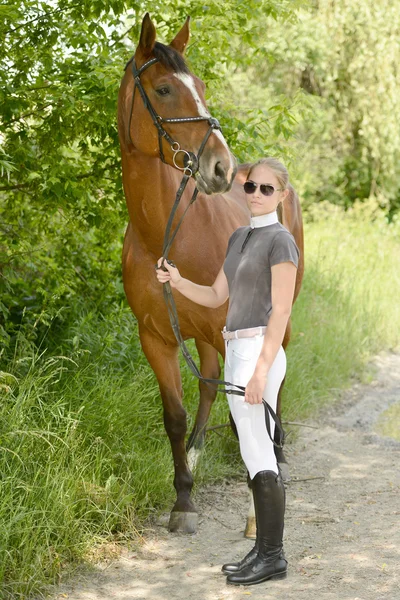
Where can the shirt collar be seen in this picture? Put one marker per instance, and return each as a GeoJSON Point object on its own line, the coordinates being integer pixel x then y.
{"type": "Point", "coordinates": [263, 220]}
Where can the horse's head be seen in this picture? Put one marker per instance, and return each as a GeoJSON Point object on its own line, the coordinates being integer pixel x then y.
{"type": "Point", "coordinates": [168, 111]}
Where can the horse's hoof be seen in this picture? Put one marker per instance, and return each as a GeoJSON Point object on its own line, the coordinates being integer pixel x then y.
{"type": "Point", "coordinates": [183, 522]}
{"type": "Point", "coordinates": [251, 528]}
{"type": "Point", "coordinates": [284, 470]}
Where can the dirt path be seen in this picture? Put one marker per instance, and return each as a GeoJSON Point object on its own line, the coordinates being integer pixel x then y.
{"type": "Point", "coordinates": [342, 536]}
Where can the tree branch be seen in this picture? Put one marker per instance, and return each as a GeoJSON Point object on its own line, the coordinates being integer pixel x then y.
{"type": "Point", "coordinates": [42, 16]}
{"type": "Point", "coordinates": [121, 37]}
{"type": "Point", "coordinates": [18, 186]}
{"type": "Point", "coordinates": [299, 424]}
{"type": "Point", "coordinates": [40, 87]}
{"type": "Point", "coordinates": [26, 115]}
{"type": "Point", "coordinates": [214, 427]}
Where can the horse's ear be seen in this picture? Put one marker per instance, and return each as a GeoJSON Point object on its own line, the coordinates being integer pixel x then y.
{"type": "Point", "coordinates": [147, 36]}
{"type": "Point", "coordinates": [181, 39]}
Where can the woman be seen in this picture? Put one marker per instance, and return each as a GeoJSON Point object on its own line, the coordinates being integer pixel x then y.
{"type": "Point", "coordinates": [258, 276]}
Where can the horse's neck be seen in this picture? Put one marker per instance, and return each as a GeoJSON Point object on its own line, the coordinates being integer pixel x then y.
{"type": "Point", "coordinates": [150, 191]}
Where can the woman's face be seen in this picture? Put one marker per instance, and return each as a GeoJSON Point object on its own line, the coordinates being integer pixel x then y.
{"type": "Point", "coordinates": [256, 201]}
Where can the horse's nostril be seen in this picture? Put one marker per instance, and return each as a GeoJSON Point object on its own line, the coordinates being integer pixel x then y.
{"type": "Point", "coordinates": [219, 170]}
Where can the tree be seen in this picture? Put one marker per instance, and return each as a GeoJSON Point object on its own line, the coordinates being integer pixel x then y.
{"type": "Point", "coordinates": [61, 203]}
{"type": "Point", "coordinates": [344, 56]}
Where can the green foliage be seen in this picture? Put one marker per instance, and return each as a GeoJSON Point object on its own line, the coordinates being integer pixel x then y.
{"type": "Point", "coordinates": [62, 213]}
{"type": "Point", "coordinates": [83, 451]}
{"type": "Point", "coordinates": [344, 57]}
{"type": "Point", "coordinates": [347, 309]}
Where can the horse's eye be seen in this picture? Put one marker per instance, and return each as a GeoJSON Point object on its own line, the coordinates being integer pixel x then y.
{"type": "Point", "coordinates": [163, 91]}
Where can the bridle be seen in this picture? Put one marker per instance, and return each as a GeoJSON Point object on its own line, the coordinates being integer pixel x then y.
{"type": "Point", "coordinates": [190, 167]}
{"type": "Point", "coordinates": [190, 160]}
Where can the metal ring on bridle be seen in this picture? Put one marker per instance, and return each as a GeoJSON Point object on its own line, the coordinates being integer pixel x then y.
{"type": "Point", "coordinates": [186, 169]}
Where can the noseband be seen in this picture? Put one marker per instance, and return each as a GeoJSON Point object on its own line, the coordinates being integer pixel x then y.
{"type": "Point", "coordinates": [191, 166]}
{"type": "Point", "coordinates": [190, 160]}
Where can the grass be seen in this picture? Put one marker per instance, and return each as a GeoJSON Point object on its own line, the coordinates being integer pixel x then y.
{"type": "Point", "coordinates": [347, 309]}
{"type": "Point", "coordinates": [389, 421]}
{"type": "Point", "coordinates": [83, 452]}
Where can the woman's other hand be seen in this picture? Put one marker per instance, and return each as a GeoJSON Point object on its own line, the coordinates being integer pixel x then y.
{"type": "Point", "coordinates": [171, 274]}
{"type": "Point", "coordinates": [254, 389]}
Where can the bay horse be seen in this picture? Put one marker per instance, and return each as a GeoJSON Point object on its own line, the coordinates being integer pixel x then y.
{"type": "Point", "coordinates": [152, 171]}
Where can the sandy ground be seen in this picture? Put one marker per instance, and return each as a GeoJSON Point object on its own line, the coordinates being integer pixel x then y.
{"type": "Point", "coordinates": [342, 535]}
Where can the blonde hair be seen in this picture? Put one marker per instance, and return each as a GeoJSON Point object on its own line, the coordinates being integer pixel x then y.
{"type": "Point", "coordinates": [277, 167]}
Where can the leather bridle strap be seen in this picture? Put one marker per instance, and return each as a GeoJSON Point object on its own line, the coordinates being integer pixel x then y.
{"type": "Point", "coordinates": [189, 170]}
{"type": "Point", "coordinates": [158, 120]}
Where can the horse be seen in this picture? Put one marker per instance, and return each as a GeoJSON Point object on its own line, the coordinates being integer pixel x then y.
{"type": "Point", "coordinates": [161, 109]}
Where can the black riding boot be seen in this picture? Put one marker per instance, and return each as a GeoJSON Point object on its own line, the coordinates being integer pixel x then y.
{"type": "Point", "coordinates": [229, 568]}
{"type": "Point", "coordinates": [270, 563]}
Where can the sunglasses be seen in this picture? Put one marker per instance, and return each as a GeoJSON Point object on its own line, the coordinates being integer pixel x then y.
{"type": "Point", "coordinates": [265, 188]}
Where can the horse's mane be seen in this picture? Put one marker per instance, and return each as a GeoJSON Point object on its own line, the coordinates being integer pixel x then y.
{"type": "Point", "coordinates": [169, 58]}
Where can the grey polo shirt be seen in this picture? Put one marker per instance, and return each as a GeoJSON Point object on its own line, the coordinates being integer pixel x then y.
{"type": "Point", "coordinates": [251, 254]}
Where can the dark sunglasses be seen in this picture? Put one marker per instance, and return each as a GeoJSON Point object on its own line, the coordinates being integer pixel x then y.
{"type": "Point", "coordinates": [265, 188]}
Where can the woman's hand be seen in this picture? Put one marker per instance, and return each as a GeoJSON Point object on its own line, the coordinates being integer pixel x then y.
{"type": "Point", "coordinates": [255, 388]}
{"type": "Point", "coordinates": [171, 274]}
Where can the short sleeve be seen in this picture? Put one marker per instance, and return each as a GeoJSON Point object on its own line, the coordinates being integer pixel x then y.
{"type": "Point", "coordinates": [231, 240]}
{"type": "Point", "coordinates": [284, 249]}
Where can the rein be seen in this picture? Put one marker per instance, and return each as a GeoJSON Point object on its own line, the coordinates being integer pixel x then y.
{"type": "Point", "coordinates": [190, 167]}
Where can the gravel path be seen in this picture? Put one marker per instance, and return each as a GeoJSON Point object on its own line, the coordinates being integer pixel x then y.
{"type": "Point", "coordinates": [342, 535]}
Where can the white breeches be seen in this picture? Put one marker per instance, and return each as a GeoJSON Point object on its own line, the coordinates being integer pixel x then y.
{"type": "Point", "coordinates": [256, 448]}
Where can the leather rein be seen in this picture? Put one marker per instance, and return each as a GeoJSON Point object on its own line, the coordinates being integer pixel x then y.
{"type": "Point", "coordinates": [190, 167]}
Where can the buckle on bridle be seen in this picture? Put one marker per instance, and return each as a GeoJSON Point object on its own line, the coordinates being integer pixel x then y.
{"type": "Point", "coordinates": [214, 123]}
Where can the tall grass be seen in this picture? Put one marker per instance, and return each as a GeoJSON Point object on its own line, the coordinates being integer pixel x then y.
{"type": "Point", "coordinates": [83, 451]}
{"type": "Point", "coordinates": [348, 308]}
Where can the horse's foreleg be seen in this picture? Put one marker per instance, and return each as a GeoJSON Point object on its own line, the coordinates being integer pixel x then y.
{"type": "Point", "coordinates": [210, 369]}
{"type": "Point", "coordinates": [163, 360]}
